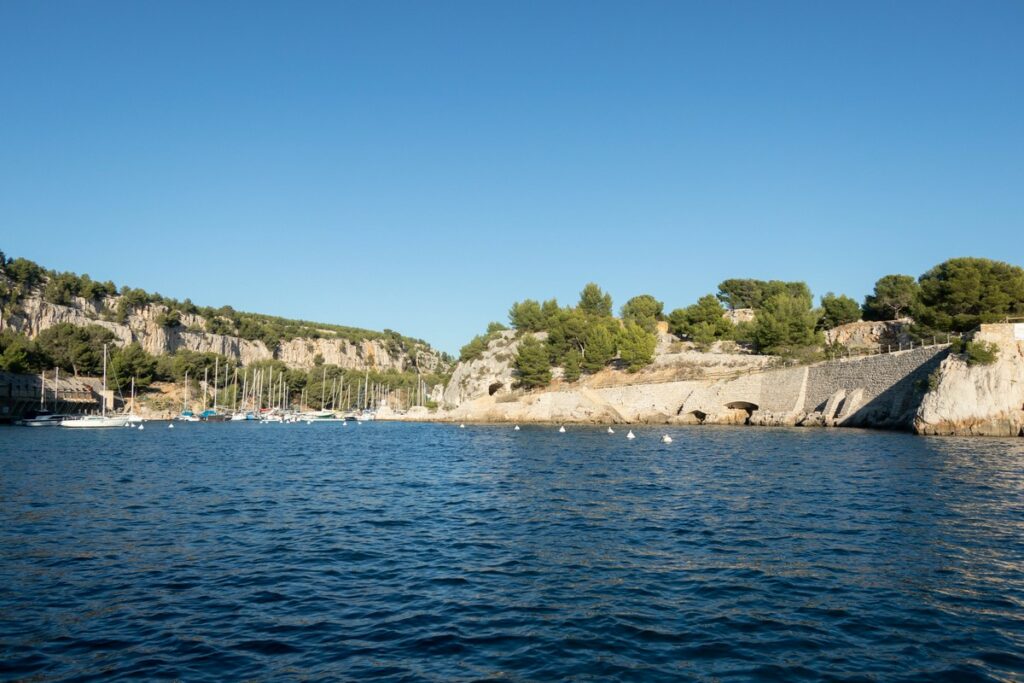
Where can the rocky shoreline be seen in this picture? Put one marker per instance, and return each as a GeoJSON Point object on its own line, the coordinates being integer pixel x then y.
{"type": "Point", "coordinates": [926, 390]}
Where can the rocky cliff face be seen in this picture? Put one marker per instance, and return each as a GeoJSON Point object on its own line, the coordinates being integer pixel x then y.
{"type": "Point", "coordinates": [35, 315]}
{"type": "Point", "coordinates": [924, 388]}
{"type": "Point", "coordinates": [490, 375]}
{"type": "Point", "coordinates": [871, 335]}
{"type": "Point", "coordinates": [985, 400]}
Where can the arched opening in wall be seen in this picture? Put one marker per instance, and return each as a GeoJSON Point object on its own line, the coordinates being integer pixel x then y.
{"type": "Point", "coordinates": [744, 406]}
{"type": "Point", "coordinates": [690, 417]}
{"type": "Point", "coordinates": [494, 388]}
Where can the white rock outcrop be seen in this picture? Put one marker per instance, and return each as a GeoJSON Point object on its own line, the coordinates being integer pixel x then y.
{"type": "Point", "coordinates": [986, 400]}
{"type": "Point", "coordinates": [877, 335]}
{"type": "Point", "coordinates": [493, 373]}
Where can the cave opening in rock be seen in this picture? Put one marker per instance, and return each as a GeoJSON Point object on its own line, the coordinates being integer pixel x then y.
{"type": "Point", "coordinates": [745, 406]}
{"type": "Point", "coordinates": [494, 388]}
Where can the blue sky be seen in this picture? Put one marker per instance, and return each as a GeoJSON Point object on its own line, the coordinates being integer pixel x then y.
{"type": "Point", "coordinates": [421, 165]}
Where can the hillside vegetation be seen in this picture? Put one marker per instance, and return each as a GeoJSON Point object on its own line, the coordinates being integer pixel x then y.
{"type": "Point", "coordinates": [77, 348]}
{"type": "Point", "coordinates": [780, 319]}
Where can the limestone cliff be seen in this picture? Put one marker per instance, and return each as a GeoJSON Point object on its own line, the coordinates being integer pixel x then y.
{"type": "Point", "coordinates": [490, 374]}
{"type": "Point", "coordinates": [882, 391]}
{"type": "Point", "coordinates": [34, 314]}
{"type": "Point", "coordinates": [983, 400]}
{"type": "Point", "coordinates": [686, 386]}
{"type": "Point", "coordinates": [880, 335]}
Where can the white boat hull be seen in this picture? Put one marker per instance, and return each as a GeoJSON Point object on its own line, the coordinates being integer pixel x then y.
{"type": "Point", "coordinates": [95, 422]}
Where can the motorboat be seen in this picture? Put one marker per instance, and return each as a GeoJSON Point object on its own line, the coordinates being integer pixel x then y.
{"type": "Point", "coordinates": [43, 418]}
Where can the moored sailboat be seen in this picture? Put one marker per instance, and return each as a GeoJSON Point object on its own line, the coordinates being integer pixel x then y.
{"type": "Point", "coordinates": [101, 420]}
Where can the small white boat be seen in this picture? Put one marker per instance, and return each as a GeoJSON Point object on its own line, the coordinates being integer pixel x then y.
{"type": "Point", "coordinates": [611, 431]}
{"type": "Point", "coordinates": [170, 426]}
{"type": "Point", "coordinates": [666, 439]}
{"type": "Point", "coordinates": [516, 428]}
{"type": "Point", "coordinates": [561, 430]}
{"type": "Point", "coordinates": [630, 435]}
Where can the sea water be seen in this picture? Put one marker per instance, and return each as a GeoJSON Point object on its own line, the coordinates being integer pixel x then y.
{"type": "Point", "coordinates": [215, 552]}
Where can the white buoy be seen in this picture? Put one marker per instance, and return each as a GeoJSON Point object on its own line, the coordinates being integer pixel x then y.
{"type": "Point", "coordinates": [170, 426]}
{"type": "Point", "coordinates": [630, 435]}
{"type": "Point", "coordinates": [141, 427]}
{"type": "Point", "coordinates": [611, 431]}
{"type": "Point", "coordinates": [309, 422]}
{"type": "Point", "coordinates": [462, 426]}
{"type": "Point", "coordinates": [561, 430]}
{"type": "Point", "coordinates": [666, 439]}
{"type": "Point", "coordinates": [516, 428]}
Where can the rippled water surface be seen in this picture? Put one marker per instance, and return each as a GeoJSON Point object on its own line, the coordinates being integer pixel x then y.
{"type": "Point", "coordinates": [427, 552]}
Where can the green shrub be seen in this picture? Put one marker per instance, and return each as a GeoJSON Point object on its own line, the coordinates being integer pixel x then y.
{"type": "Point", "coordinates": [981, 353]}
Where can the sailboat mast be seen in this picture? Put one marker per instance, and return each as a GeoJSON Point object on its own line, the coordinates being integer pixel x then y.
{"type": "Point", "coordinates": [103, 396]}
{"type": "Point", "coordinates": [216, 376]}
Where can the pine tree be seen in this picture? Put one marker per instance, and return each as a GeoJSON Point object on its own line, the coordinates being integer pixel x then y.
{"type": "Point", "coordinates": [532, 363]}
{"type": "Point", "coordinates": [645, 310]}
{"type": "Point", "coordinates": [571, 367]}
{"type": "Point", "coordinates": [600, 347]}
{"type": "Point", "coordinates": [595, 302]}
{"type": "Point", "coordinates": [636, 346]}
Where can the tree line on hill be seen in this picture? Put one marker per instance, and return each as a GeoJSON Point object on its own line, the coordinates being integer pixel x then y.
{"type": "Point", "coordinates": [22, 277]}
{"type": "Point", "coordinates": [78, 350]}
{"type": "Point", "coordinates": [953, 297]}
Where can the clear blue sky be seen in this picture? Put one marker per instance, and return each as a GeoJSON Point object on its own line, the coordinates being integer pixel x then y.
{"type": "Point", "coordinates": [422, 165]}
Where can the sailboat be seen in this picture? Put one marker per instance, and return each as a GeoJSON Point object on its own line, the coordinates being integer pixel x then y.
{"type": "Point", "coordinates": [132, 417]}
{"type": "Point", "coordinates": [186, 413]}
{"type": "Point", "coordinates": [236, 414]}
{"type": "Point", "coordinates": [212, 415]}
{"type": "Point", "coordinates": [101, 420]}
